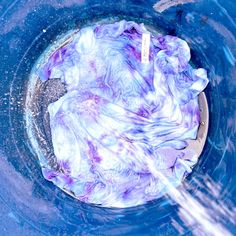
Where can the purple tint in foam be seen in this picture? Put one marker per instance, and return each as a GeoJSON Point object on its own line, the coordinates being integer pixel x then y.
{"type": "Point", "coordinates": [122, 121]}
{"type": "Point", "coordinates": [93, 153]}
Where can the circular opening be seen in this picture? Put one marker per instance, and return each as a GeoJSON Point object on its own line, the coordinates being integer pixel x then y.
{"type": "Point", "coordinates": [40, 94]}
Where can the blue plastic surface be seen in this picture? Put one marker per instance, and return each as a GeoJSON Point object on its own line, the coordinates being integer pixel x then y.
{"type": "Point", "coordinates": [30, 205]}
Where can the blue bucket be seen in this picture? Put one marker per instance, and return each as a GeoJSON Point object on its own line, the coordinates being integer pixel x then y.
{"type": "Point", "coordinates": [30, 205]}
